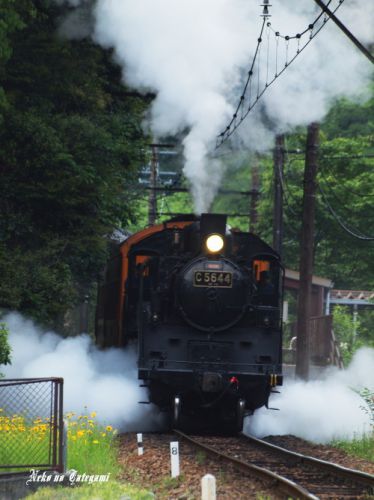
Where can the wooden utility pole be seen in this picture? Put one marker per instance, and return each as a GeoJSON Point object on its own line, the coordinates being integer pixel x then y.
{"type": "Point", "coordinates": [278, 194]}
{"type": "Point", "coordinates": [253, 214]}
{"type": "Point", "coordinates": [340, 25]}
{"type": "Point", "coordinates": [152, 199]}
{"type": "Point", "coordinates": [306, 253]}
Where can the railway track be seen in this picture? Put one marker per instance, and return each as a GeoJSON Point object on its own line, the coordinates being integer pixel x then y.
{"type": "Point", "coordinates": [296, 475]}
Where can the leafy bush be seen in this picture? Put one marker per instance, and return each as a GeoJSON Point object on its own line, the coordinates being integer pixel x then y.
{"type": "Point", "coordinates": [5, 348]}
{"type": "Point", "coordinates": [345, 329]}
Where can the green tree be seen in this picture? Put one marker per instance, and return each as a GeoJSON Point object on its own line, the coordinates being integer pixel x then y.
{"type": "Point", "coordinates": [13, 17]}
{"type": "Point", "coordinates": [70, 146]}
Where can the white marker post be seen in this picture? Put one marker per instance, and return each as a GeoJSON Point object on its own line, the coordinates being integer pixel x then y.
{"type": "Point", "coordinates": [140, 443]}
{"type": "Point", "coordinates": [208, 487]}
{"type": "Point", "coordinates": [174, 456]}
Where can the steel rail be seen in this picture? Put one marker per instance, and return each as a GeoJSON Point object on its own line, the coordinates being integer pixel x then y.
{"type": "Point", "coordinates": [285, 485]}
{"type": "Point", "coordinates": [339, 470]}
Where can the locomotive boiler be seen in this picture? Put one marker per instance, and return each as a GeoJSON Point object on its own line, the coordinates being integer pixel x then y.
{"type": "Point", "coordinates": [203, 305]}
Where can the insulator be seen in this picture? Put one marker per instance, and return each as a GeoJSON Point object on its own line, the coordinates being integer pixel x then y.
{"type": "Point", "coordinates": [265, 5]}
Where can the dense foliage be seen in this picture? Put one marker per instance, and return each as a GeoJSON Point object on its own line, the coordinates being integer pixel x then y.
{"type": "Point", "coordinates": [346, 184]}
{"type": "Point", "coordinates": [5, 349]}
{"type": "Point", "coordinates": [70, 143]}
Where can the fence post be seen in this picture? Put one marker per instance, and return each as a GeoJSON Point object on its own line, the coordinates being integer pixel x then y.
{"type": "Point", "coordinates": [64, 446]}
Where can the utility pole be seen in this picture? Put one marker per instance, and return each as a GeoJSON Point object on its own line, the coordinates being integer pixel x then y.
{"type": "Point", "coordinates": [152, 199]}
{"type": "Point", "coordinates": [253, 213]}
{"type": "Point", "coordinates": [306, 253]}
{"type": "Point", "coordinates": [278, 194]}
{"type": "Point", "coordinates": [346, 31]}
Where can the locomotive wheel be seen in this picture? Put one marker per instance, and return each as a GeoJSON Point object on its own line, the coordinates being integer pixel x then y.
{"type": "Point", "coordinates": [234, 424]}
{"type": "Point", "coordinates": [240, 412]}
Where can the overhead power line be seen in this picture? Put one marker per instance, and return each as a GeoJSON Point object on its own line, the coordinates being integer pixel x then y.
{"type": "Point", "coordinates": [260, 79]}
{"type": "Point", "coordinates": [342, 224]}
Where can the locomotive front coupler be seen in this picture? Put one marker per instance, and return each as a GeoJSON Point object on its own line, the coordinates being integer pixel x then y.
{"type": "Point", "coordinates": [213, 382]}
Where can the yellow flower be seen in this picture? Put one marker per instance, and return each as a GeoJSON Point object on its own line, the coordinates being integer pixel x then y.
{"type": "Point", "coordinates": [109, 428]}
{"type": "Point", "coordinates": [95, 441]}
{"type": "Point", "coordinates": [93, 414]}
{"type": "Point", "coordinates": [103, 434]}
{"type": "Point", "coordinates": [80, 433]}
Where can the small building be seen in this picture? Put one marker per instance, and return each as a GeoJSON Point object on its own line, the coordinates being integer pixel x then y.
{"type": "Point", "coordinates": [324, 348]}
{"type": "Point", "coordinates": [320, 291]}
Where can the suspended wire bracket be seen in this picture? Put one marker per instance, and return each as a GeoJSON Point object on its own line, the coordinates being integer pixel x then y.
{"type": "Point", "coordinates": [256, 85]}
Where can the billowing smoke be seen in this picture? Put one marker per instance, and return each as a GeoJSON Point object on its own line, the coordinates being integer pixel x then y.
{"type": "Point", "coordinates": [102, 381]}
{"type": "Point", "coordinates": [321, 410]}
{"type": "Point", "coordinates": [195, 54]}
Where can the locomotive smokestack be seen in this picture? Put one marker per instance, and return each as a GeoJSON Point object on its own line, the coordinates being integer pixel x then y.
{"type": "Point", "coordinates": [213, 224]}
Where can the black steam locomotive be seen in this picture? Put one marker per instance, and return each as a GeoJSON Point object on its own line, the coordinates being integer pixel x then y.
{"type": "Point", "coordinates": [203, 304]}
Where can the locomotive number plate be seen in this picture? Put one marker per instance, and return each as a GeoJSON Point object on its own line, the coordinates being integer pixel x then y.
{"type": "Point", "coordinates": [217, 279]}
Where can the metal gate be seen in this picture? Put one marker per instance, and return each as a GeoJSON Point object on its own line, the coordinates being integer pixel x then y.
{"type": "Point", "coordinates": [31, 424]}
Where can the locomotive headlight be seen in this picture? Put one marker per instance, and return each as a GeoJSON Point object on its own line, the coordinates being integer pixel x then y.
{"type": "Point", "coordinates": [214, 243]}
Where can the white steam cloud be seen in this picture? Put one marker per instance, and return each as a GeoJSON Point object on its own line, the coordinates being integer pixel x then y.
{"type": "Point", "coordinates": [321, 410]}
{"type": "Point", "coordinates": [194, 54]}
{"type": "Point", "coordinates": [106, 382]}
{"type": "Point", "coordinates": [103, 381]}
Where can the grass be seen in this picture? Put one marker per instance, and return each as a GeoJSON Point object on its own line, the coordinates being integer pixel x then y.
{"type": "Point", "coordinates": [23, 440]}
{"type": "Point", "coordinates": [92, 448]}
{"type": "Point", "coordinates": [362, 447]}
{"type": "Point", "coordinates": [113, 490]}
{"type": "Point", "coordinates": [201, 457]}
